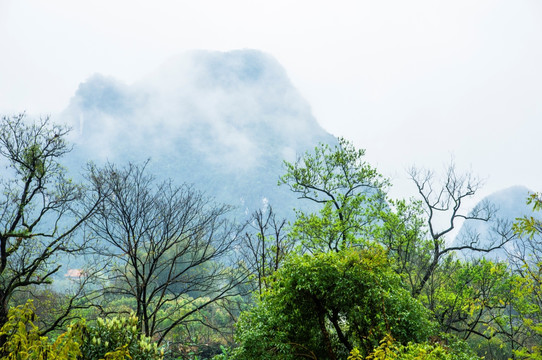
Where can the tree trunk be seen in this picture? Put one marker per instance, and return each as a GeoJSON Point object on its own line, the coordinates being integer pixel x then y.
{"type": "Point", "coordinates": [4, 309]}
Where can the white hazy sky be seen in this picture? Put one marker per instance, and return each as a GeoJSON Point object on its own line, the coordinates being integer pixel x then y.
{"type": "Point", "coordinates": [413, 82]}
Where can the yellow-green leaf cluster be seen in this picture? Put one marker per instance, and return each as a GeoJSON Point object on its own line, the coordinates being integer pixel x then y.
{"type": "Point", "coordinates": [24, 341]}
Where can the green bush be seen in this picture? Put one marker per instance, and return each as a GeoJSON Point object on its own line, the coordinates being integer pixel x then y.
{"type": "Point", "coordinates": [389, 349]}
{"type": "Point", "coordinates": [23, 340]}
{"type": "Point", "coordinates": [118, 338]}
{"type": "Point", "coordinates": [323, 305]}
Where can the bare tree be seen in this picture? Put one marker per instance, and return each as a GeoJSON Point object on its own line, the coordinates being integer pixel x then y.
{"type": "Point", "coordinates": [444, 207]}
{"type": "Point", "coordinates": [40, 208]}
{"type": "Point", "coordinates": [169, 246]}
{"type": "Point", "coordinates": [56, 305]}
{"type": "Point", "coordinates": [265, 245]}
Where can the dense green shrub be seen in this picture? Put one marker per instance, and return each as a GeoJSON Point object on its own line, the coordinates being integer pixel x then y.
{"type": "Point", "coordinates": [22, 339]}
{"type": "Point", "coordinates": [389, 349]}
{"type": "Point", "coordinates": [118, 338]}
{"type": "Point", "coordinates": [324, 305]}
{"type": "Point", "coordinates": [109, 339]}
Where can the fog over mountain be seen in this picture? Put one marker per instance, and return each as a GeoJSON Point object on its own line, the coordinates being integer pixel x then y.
{"type": "Point", "coordinates": [224, 121]}
{"type": "Point", "coordinates": [509, 204]}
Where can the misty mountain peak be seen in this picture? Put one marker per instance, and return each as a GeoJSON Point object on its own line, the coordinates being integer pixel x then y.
{"type": "Point", "coordinates": [225, 119]}
{"type": "Point", "coordinates": [236, 67]}
{"type": "Point", "coordinates": [231, 108]}
{"type": "Point", "coordinates": [103, 94]}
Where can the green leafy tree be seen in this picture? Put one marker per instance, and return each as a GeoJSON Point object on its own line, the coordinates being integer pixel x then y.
{"type": "Point", "coordinates": [403, 232]}
{"type": "Point", "coordinates": [527, 257]}
{"type": "Point", "coordinates": [529, 225]}
{"type": "Point", "coordinates": [350, 192]}
{"type": "Point", "coordinates": [354, 211]}
{"type": "Point", "coordinates": [474, 299]}
{"type": "Point", "coordinates": [322, 306]}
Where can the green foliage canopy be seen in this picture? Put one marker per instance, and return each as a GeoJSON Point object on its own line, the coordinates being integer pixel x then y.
{"type": "Point", "coordinates": [325, 304]}
{"type": "Point", "coordinates": [23, 340]}
{"type": "Point", "coordinates": [350, 191]}
{"type": "Point", "coordinates": [117, 338]}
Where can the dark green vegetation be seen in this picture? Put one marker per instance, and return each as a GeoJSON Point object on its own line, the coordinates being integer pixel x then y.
{"type": "Point", "coordinates": [163, 271]}
{"type": "Point", "coordinates": [324, 305]}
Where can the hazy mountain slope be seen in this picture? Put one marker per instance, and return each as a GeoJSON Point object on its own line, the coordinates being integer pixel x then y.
{"type": "Point", "coordinates": [223, 121]}
{"type": "Point", "coordinates": [510, 204]}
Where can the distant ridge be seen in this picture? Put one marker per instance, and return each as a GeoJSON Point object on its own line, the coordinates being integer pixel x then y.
{"type": "Point", "coordinates": [510, 203]}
